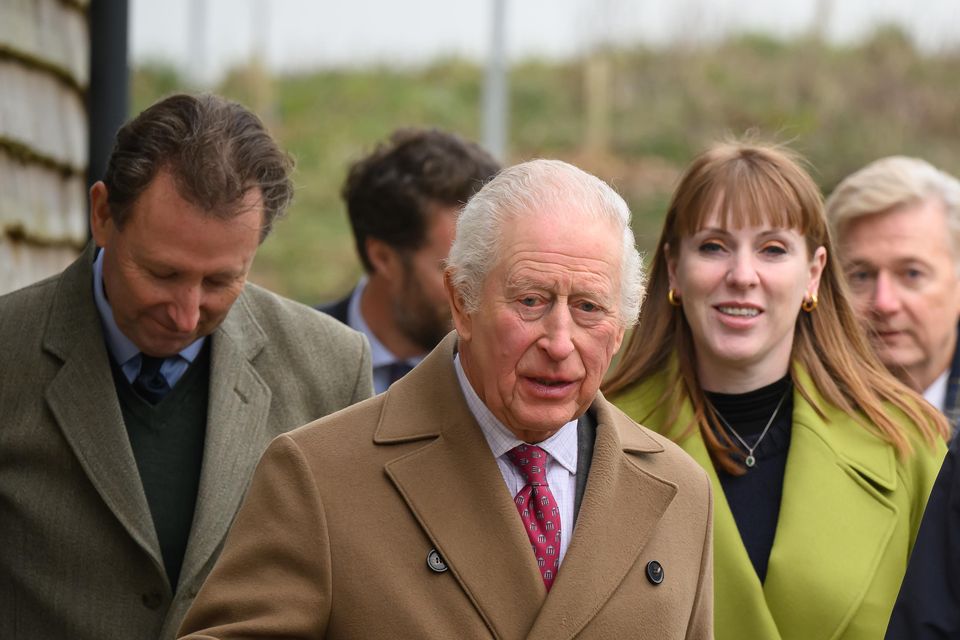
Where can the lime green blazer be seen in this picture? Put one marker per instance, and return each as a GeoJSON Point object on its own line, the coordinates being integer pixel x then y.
{"type": "Point", "coordinates": [849, 515]}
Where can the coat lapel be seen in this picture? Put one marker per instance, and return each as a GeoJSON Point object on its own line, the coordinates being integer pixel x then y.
{"type": "Point", "coordinates": [237, 414]}
{"type": "Point", "coordinates": [833, 476]}
{"type": "Point", "coordinates": [736, 585]}
{"type": "Point", "coordinates": [83, 401]}
{"type": "Point", "coordinates": [621, 508]}
{"type": "Point", "coordinates": [819, 569]}
{"type": "Point", "coordinates": [454, 489]}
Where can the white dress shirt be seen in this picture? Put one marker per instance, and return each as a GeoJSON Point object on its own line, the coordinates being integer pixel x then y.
{"type": "Point", "coordinates": [561, 464]}
{"type": "Point", "coordinates": [936, 393]}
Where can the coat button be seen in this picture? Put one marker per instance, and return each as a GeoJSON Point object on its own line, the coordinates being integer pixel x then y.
{"type": "Point", "coordinates": [435, 561]}
{"type": "Point", "coordinates": [152, 600]}
{"type": "Point", "coordinates": [654, 572]}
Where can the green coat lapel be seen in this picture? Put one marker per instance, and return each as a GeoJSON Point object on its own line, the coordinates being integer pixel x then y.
{"type": "Point", "coordinates": [83, 401]}
{"type": "Point", "coordinates": [836, 521]}
{"type": "Point", "coordinates": [819, 569]}
{"type": "Point", "coordinates": [740, 607]}
{"type": "Point", "coordinates": [237, 415]}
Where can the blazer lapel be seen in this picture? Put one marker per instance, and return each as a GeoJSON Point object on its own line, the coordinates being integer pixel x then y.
{"type": "Point", "coordinates": [453, 487]}
{"type": "Point", "coordinates": [83, 401]}
{"type": "Point", "coordinates": [621, 508]}
{"type": "Point", "coordinates": [819, 569]}
{"type": "Point", "coordinates": [835, 474]}
{"type": "Point", "coordinates": [237, 414]}
{"type": "Point", "coordinates": [736, 587]}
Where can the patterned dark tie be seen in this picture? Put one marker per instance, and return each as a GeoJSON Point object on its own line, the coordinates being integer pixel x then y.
{"type": "Point", "coordinates": [150, 383]}
{"type": "Point", "coordinates": [538, 509]}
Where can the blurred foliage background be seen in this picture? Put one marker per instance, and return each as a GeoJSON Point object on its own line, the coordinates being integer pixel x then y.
{"type": "Point", "coordinates": [633, 116]}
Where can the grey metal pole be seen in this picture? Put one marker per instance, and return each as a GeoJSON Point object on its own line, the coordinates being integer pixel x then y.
{"type": "Point", "coordinates": [495, 93]}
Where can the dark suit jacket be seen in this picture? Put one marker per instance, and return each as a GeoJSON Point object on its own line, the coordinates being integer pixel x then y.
{"type": "Point", "coordinates": [333, 538]}
{"type": "Point", "coordinates": [951, 406]}
{"type": "Point", "coordinates": [79, 555]}
{"type": "Point", "coordinates": [928, 607]}
{"type": "Point", "coordinates": [337, 309]}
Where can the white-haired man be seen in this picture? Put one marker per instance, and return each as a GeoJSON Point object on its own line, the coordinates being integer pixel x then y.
{"type": "Point", "coordinates": [491, 492]}
{"type": "Point", "coordinates": [897, 225]}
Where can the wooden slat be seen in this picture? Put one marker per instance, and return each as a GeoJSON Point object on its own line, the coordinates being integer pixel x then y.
{"type": "Point", "coordinates": [44, 73]}
{"type": "Point", "coordinates": [43, 114]}
{"type": "Point", "coordinates": [50, 31]}
{"type": "Point", "coordinates": [22, 264]}
{"type": "Point", "coordinates": [42, 205]}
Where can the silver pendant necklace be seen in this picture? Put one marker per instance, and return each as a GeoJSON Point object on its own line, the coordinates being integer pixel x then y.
{"type": "Point", "coordinates": [750, 460]}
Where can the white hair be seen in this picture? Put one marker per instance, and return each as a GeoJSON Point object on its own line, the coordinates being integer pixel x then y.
{"type": "Point", "coordinates": [891, 183]}
{"type": "Point", "coordinates": [539, 187]}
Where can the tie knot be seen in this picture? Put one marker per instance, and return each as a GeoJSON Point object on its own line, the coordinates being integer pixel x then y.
{"type": "Point", "coordinates": [531, 461]}
{"type": "Point", "coordinates": [150, 383]}
{"type": "Point", "coordinates": [150, 365]}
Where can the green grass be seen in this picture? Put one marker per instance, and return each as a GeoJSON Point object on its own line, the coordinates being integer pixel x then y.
{"type": "Point", "coordinates": [839, 106]}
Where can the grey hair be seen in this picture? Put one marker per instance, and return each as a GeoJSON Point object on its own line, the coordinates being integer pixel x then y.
{"type": "Point", "coordinates": [894, 182]}
{"type": "Point", "coordinates": [539, 187]}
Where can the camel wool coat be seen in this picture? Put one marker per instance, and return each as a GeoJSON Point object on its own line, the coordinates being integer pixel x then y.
{"type": "Point", "coordinates": [334, 537]}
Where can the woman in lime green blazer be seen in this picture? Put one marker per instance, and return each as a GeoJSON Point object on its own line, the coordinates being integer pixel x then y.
{"type": "Point", "coordinates": [749, 356]}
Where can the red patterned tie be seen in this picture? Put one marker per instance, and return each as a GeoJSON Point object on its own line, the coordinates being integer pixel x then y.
{"type": "Point", "coordinates": [538, 509]}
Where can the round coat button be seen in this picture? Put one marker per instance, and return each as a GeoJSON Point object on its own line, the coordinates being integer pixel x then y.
{"type": "Point", "coordinates": [435, 561]}
{"type": "Point", "coordinates": [654, 572]}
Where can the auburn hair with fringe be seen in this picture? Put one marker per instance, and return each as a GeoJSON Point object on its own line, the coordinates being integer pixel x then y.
{"type": "Point", "coordinates": [751, 184]}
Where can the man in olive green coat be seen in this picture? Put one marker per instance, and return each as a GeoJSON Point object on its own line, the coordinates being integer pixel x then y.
{"type": "Point", "coordinates": [139, 387]}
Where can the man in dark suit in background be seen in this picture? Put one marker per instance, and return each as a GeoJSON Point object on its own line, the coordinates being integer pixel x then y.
{"type": "Point", "coordinates": [403, 200]}
{"type": "Point", "coordinates": [928, 607]}
{"type": "Point", "coordinates": [139, 387]}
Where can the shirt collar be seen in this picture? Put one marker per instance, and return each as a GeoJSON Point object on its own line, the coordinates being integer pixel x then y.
{"type": "Point", "coordinates": [121, 348]}
{"type": "Point", "coordinates": [380, 356]}
{"type": "Point", "coordinates": [936, 393]}
{"type": "Point", "coordinates": [562, 446]}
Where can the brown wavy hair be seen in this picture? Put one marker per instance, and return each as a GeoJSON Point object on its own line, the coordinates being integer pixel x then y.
{"type": "Point", "coordinates": [751, 184]}
{"type": "Point", "coordinates": [216, 151]}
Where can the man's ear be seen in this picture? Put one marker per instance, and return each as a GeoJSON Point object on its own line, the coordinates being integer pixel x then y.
{"type": "Point", "coordinates": [384, 258]}
{"type": "Point", "coordinates": [101, 222]}
{"type": "Point", "coordinates": [462, 321]}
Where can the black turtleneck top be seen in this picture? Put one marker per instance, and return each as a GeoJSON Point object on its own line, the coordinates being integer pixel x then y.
{"type": "Point", "coordinates": [754, 497]}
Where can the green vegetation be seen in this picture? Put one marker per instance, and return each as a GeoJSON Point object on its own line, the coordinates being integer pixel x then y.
{"type": "Point", "coordinates": [841, 107]}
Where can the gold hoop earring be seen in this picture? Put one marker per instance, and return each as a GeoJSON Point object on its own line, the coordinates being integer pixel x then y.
{"type": "Point", "coordinates": [809, 304]}
{"type": "Point", "coordinates": [672, 298]}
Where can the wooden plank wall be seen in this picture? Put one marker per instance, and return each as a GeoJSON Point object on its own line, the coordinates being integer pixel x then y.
{"type": "Point", "coordinates": [44, 75]}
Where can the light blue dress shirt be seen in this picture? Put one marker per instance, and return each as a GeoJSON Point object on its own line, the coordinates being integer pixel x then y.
{"type": "Point", "coordinates": [380, 356]}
